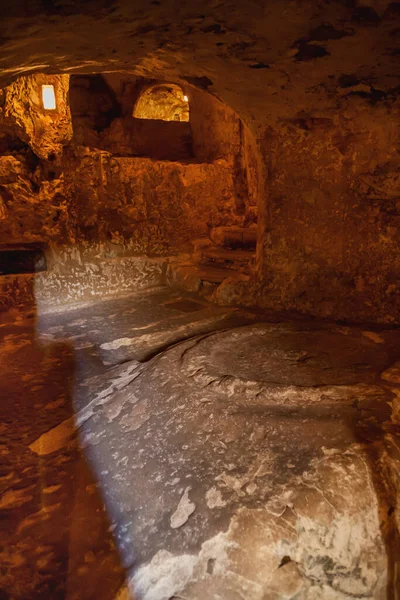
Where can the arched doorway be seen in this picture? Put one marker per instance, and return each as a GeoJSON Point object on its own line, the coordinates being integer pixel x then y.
{"type": "Point", "coordinates": [165, 102]}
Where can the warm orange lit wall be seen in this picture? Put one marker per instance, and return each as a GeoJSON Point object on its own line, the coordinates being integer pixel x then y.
{"type": "Point", "coordinates": [46, 131]}
{"type": "Point", "coordinates": [332, 229]}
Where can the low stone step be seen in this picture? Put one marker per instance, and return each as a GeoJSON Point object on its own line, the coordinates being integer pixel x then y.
{"type": "Point", "coordinates": [213, 274]}
{"type": "Point", "coordinates": [200, 243]}
{"type": "Point", "coordinates": [197, 278]}
{"type": "Point", "coordinates": [226, 256]}
{"type": "Point", "coordinates": [234, 236]}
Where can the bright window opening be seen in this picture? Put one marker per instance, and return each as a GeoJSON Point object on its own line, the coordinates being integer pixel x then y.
{"type": "Point", "coordinates": [163, 102]}
{"type": "Point", "coordinates": [48, 97]}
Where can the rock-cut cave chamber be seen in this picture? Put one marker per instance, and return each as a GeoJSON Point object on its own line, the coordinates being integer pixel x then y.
{"type": "Point", "coordinates": [119, 190]}
{"type": "Point", "coordinates": [200, 303]}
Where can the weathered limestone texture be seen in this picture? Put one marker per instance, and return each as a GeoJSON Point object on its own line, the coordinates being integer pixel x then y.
{"type": "Point", "coordinates": [46, 131]}
{"type": "Point", "coordinates": [256, 455]}
{"type": "Point", "coordinates": [164, 447]}
{"type": "Point", "coordinates": [85, 280]}
{"type": "Point", "coordinates": [334, 211]}
{"type": "Point", "coordinates": [99, 207]}
{"type": "Point", "coordinates": [317, 86]}
{"type": "Point", "coordinates": [313, 545]}
{"type": "Point", "coordinates": [154, 446]}
{"type": "Point", "coordinates": [104, 208]}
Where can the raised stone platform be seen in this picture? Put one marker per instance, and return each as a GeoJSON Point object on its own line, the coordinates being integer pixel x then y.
{"type": "Point", "coordinates": [70, 281]}
{"type": "Point", "coordinates": [157, 447]}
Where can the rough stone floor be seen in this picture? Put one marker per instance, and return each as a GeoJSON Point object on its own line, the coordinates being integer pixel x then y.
{"type": "Point", "coordinates": [156, 447]}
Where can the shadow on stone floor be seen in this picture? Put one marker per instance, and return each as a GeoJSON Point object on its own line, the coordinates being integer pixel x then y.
{"type": "Point", "coordinates": [236, 427]}
{"type": "Point", "coordinates": [55, 533]}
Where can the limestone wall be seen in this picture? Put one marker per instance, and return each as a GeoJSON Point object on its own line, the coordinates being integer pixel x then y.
{"type": "Point", "coordinates": [332, 228]}
{"type": "Point", "coordinates": [22, 113]}
{"type": "Point", "coordinates": [323, 182]}
{"type": "Point", "coordinates": [96, 211]}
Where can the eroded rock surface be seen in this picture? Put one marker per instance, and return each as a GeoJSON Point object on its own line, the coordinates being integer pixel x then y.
{"type": "Point", "coordinates": [247, 458]}
{"type": "Point", "coordinates": [274, 434]}
{"type": "Point", "coordinates": [108, 197]}
{"type": "Point", "coordinates": [156, 447]}
{"type": "Point", "coordinates": [315, 86]}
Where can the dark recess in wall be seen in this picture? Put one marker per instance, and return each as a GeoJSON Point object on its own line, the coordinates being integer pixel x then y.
{"type": "Point", "coordinates": [93, 100]}
{"type": "Point", "coordinates": [19, 259]}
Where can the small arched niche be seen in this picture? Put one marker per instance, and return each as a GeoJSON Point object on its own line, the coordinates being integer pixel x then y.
{"type": "Point", "coordinates": [163, 102]}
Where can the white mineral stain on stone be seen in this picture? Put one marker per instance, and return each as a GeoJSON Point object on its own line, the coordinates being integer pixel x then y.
{"type": "Point", "coordinates": [335, 550]}
{"type": "Point", "coordinates": [233, 483]}
{"type": "Point", "coordinates": [184, 509]}
{"type": "Point", "coordinates": [120, 343]}
{"type": "Point", "coordinates": [251, 488]}
{"type": "Point", "coordinates": [139, 414]}
{"type": "Point", "coordinates": [214, 498]}
{"type": "Point", "coordinates": [60, 435]}
{"type": "Point", "coordinates": [162, 337]}
{"type": "Point", "coordinates": [174, 481]}
{"type": "Point", "coordinates": [163, 577]}
{"type": "Point", "coordinates": [258, 434]}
